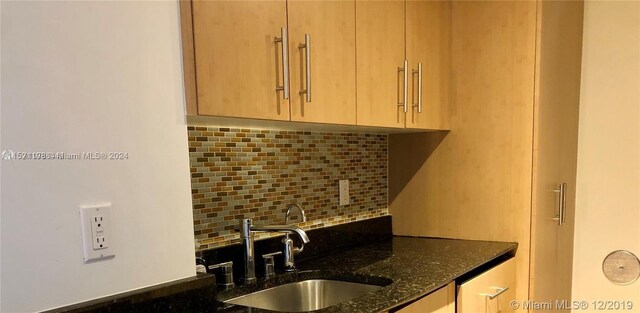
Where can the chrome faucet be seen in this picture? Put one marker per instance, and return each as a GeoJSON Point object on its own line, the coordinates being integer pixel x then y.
{"type": "Point", "coordinates": [294, 206]}
{"type": "Point", "coordinates": [289, 249]}
{"type": "Point", "coordinates": [247, 230]}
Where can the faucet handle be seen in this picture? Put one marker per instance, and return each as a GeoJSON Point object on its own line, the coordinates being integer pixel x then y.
{"type": "Point", "coordinates": [269, 264]}
{"type": "Point", "coordinates": [226, 268]}
{"type": "Point", "coordinates": [201, 265]}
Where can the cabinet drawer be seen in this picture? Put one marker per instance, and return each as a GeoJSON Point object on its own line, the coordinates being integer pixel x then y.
{"type": "Point", "coordinates": [486, 292]}
{"type": "Point", "coordinates": [439, 301]}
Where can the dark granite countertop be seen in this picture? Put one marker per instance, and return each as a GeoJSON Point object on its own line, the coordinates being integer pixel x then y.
{"type": "Point", "coordinates": [407, 268]}
{"type": "Point", "coordinates": [416, 267]}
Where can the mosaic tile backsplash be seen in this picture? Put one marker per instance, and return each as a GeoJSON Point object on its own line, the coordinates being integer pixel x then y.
{"type": "Point", "coordinates": [256, 173]}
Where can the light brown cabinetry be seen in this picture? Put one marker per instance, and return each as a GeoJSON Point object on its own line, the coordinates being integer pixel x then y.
{"type": "Point", "coordinates": [360, 62]}
{"type": "Point", "coordinates": [330, 27]}
{"type": "Point", "coordinates": [428, 51]}
{"type": "Point", "coordinates": [555, 150]}
{"type": "Point", "coordinates": [514, 111]}
{"type": "Point", "coordinates": [442, 300]}
{"type": "Point", "coordinates": [238, 63]}
{"type": "Point", "coordinates": [489, 292]}
{"type": "Point", "coordinates": [380, 52]}
{"type": "Point", "coordinates": [403, 63]}
{"type": "Point", "coordinates": [244, 68]}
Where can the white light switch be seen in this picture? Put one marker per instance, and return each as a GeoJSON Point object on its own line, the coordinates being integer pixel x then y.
{"type": "Point", "coordinates": [344, 192]}
{"type": "Point", "coordinates": [96, 231]}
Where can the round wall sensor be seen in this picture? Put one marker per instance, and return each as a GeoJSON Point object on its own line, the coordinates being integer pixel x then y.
{"type": "Point", "coordinates": [621, 267]}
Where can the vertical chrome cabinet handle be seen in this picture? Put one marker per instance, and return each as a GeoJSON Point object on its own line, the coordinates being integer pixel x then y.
{"type": "Point", "coordinates": [558, 205]}
{"type": "Point", "coordinates": [561, 203]}
{"type": "Point", "coordinates": [564, 201]}
{"type": "Point", "coordinates": [403, 69]}
{"type": "Point", "coordinates": [400, 104]}
{"type": "Point", "coordinates": [285, 63]}
{"type": "Point", "coordinates": [307, 47]}
{"type": "Point", "coordinates": [419, 72]}
{"type": "Point", "coordinates": [406, 87]}
{"type": "Point", "coordinates": [419, 87]}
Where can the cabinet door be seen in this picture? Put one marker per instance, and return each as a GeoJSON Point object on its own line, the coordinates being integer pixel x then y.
{"type": "Point", "coordinates": [475, 295]}
{"type": "Point", "coordinates": [380, 49]}
{"type": "Point", "coordinates": [429, 56]}
{"type": "Point", "coordinates": [238, 61]}
{"type": "Point", "coordinates": [440, 301]}
{"type": "Point", "coordinates": [330, 26]}
{"type": "Point", "coordinates": [557, 104]}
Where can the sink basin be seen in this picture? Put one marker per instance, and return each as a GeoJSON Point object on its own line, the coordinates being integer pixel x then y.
{"type": "Point", "coordinates": [303, 296]}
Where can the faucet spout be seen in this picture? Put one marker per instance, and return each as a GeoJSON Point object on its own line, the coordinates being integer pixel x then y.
{"type": "Point", "coordinates": [289, 229]}
{"type": "Point", "coordinates": [290, 208]}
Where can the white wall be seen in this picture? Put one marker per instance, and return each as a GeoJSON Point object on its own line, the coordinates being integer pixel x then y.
{"type": "Point", "coordinates": [608, 191]}
{"type": "Point", "coordinates": [92, 76]}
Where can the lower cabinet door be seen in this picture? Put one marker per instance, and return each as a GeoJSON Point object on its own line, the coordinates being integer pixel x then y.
{"type": "Point", "coordinates": [489, 292]}
{"type": "Point", "coordinates": [440, 301]}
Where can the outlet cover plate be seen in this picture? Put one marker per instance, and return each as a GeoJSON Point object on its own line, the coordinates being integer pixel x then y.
{"type": "Point", "coordinates": [97, 226]}
{"type": "Point", "coordinates": [344, 192]}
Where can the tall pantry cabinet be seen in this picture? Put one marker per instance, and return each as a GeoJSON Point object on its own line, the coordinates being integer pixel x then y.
{"type": "Point", "coordinates": [506, 170]}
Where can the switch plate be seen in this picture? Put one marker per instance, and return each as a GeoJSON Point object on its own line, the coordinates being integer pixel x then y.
{"type": "Point", "coordinates": [96, 231]}
{"type": "Point", "coordinates": [344, 192]}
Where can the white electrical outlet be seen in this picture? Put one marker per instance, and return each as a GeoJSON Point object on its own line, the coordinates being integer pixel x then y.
{"type": "Point", "coordinates": [344, 192]}
{"type": "Point", "coordinates": [96, 231]}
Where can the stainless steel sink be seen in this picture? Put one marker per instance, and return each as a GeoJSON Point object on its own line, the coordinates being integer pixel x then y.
{"type": "Point", "coordinates": [303, 296]}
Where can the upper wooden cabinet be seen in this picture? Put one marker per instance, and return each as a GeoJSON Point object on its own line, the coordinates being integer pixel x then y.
{"type": "Point", "coordinates": [379, 53]}
{"type": "Point", "coordinates": [403, 63]}
{"type": "Point", "coordinates": [428, 25]}
{"type": "Point", "coordinates": [323, 74]}
{"type": "Point", "coordinates": [297, 60]}
{"type": "Point", "coordinates": [238, 62]}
